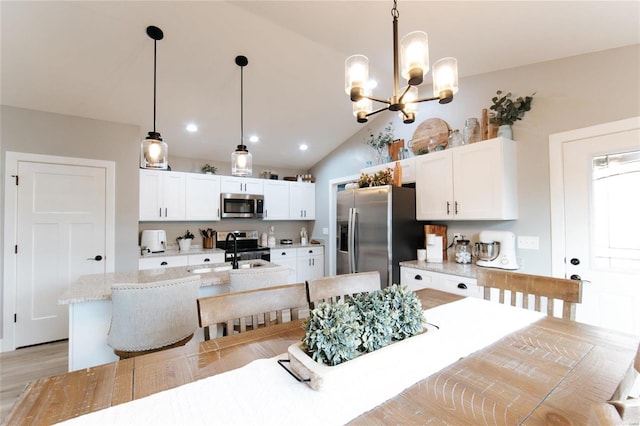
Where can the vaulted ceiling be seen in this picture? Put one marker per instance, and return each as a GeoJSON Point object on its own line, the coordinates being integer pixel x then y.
{"type": "Point", "coordinates": [93, 59]}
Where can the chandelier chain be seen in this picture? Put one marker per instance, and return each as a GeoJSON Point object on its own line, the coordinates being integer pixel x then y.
{"type": "Point", "coordinates": [394, 10]}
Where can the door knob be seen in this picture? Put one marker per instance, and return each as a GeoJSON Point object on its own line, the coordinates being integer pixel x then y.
{"type": "Point", "coordinates": [575, 261]}
{"type": "Point", "coordinates": [98, 258]}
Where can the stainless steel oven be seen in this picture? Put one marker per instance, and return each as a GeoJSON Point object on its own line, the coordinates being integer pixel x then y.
{"type": "Point", "coordinates": [247, 246]}
{"type": "Point", "coordinates": [247, 206]}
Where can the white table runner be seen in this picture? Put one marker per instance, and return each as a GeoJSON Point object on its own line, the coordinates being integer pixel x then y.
{"type": "Point", "coordinates": [263, 393]}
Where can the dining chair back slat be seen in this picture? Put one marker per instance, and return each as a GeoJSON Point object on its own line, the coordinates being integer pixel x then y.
{"type": "Point", "coordinates": [540, 287]}
{"type": "Point", "coordinates": [228, 307]}
{"type": "Point", "coordinates": [331, 289]}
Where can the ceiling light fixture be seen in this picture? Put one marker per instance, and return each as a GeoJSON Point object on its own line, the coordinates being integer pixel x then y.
{"type": "Point", "coordinates": [415, 66]}
{"type": "Point", "coordinates": [192, 128]}
{"type": "Point", "coordinates": [153, 150]}
{"type": "Point", "coordinates": [241, 157]}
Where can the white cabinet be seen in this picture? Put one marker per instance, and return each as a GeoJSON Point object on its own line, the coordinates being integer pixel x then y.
{"type": "Point", "coordinates": [180, 260]}
{"type": "Point", "coordinates": [472, 182]}
{"type": "Point", "coordinates": [276, 200]}
{"type": "Point", "coordinates": [302, 201]}
{"type": "Point", "coordinates": [310, 263]}
{"type": "Point", "coordinates": [286, 257]}
{"type": "Point", "coordinates": [240, 185]}
{"type": "Point", "coordinates": [202, 197]}
{"type": "Point", "coordinates": [162, 195]}
{"type": "Point", "coordinates": [162, 262]}
{"type": "Point", "coordinates": [203, 258]}
{"type": "Point", "coordinates": [408, 166]}
{"type": "Point", "coordinates": [416, 279]}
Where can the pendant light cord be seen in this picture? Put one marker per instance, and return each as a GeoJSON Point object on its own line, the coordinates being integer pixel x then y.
{"type": "Point", "coordinates": [241, 105]}
{"type": "Point", "coordinates": [155, 54]}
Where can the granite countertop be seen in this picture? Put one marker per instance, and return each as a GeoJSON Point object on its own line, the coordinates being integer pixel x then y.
{"type": "Point", "coordinates": [468, 270]}
{"type": "Point", "coordinates": [98, 286]}
{"type": "Point", "coordinates": [295, 245]}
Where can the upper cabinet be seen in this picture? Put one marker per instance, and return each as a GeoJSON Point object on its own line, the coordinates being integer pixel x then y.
{"type": "Point", "coordinates": [472, 182]}
{"type": "Point", "coordinates": [302, 201]}
{"type": "Point", "coordinates": [202, 197]}
{"type": "Point", "coordinates": [240, 185]}
{"type": "Point", "coordinates": [276, 200]}
{"type": "Point", "coordinates": [162, 195]}
{"type": "Point", "coordinates": [179, 196]}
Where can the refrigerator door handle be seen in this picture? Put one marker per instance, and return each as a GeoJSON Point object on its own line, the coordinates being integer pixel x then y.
{"type": "Point", "coordinates": [356, 240]}
{"type": "Point", "coordinates": [351, 239]}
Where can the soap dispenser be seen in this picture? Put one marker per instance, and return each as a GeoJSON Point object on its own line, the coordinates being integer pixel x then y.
{"type": "Point", "coordinates": [272, 237]}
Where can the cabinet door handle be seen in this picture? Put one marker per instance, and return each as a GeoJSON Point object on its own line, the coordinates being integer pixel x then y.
{"type": "Point", "coordinates": [206, 259]}
{"type": "Point", "coordinates": [462, 286]}
{"type": "Point", "coordinates": [218, 212]}
{"type": "Point", "coordinates": [448, 207]}
{"type": "Point", "coordinates": [418, 277]}
{"type": "Point", "coordinates": [455, 209]}
{"type": "Point", "coordinates": [163, 263]}
{"type": "Point", "coordinates": [301, 213]}
{"type": "Point", "coordinates": [165, 212]}
{"type": "Point", "coordinates": [160, 212]}
{"type": "Point", "coordinates": [283, 253]}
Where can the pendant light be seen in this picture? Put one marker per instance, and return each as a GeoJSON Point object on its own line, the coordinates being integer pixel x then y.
{"type": "Point", "coordinates": [241, 157]}
{"type": "Point", "coordinates": [414, 58]}
{"type": "Point", "coordinates": [153, 150]}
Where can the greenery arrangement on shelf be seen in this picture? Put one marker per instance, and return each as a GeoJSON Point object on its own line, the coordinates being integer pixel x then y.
{"type": "Point", "coordinates": [208, 168]}
{"type": "Point", "coordinates": [382, 141]}
{"type": "Point", "coordinates": [381, 177]}
{"type": "Point", "coordinates": [339, 332]}
{"type": "Point", "coordinates": [187, 236]}
{"type": "Point", "coordinates": [506, 110]}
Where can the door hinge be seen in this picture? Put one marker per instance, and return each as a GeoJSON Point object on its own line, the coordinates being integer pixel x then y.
{"type": "Point", "coordinates": [15, 317]}
{"type": "Point", "coordinates": [15, 176]}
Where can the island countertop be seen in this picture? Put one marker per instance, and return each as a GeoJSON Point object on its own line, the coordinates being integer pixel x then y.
{"type": "Point", "coordinates": [98, 286]}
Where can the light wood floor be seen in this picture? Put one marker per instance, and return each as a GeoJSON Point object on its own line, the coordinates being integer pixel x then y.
{"type": "Point", "coordinates": [18, 368]}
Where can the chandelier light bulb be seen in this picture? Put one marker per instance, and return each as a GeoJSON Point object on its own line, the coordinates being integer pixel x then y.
{"type": "Point", "coordinates": [445, 78]}
{"type": "Point", "coordinates": [414, 54]}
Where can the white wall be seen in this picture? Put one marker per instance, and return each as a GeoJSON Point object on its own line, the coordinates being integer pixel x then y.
{"type": "Point", "coordinates": [570, 93]}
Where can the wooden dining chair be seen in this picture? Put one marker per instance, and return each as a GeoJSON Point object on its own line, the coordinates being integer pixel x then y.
{"type": "Point", "coordinates": [254, 278]}
{"type": "Point", "coordinates": [150, 317]}
{"type": "Point", "coordinates": [248, 305]}
{"type": "Point", "coordinates": [551, 288]}
{"type": "Point", "coordinates": [331, 289]}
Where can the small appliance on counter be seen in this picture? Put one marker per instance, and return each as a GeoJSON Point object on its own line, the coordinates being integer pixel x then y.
{"type": "Point", "coordinates": [155, 240]}
{"type": "Point", "coordinates": [496, 249]}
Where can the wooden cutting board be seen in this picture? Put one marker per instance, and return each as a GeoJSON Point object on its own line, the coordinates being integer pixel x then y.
{"type": "Point", "coordinates": [431, 128]}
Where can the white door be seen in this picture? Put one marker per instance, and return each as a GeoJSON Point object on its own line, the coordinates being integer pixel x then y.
{"type": "Point", "coordinates": [61, 213]}
{"type": "Point", "coordinates": [601, 174]}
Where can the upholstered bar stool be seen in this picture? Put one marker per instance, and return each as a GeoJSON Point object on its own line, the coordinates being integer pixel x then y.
{"type": "Point", "coordinates": [152, 317]}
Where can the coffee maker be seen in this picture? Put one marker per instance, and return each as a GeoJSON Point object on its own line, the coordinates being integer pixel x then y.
{"type": "Point", "coordinates": [496, 249]}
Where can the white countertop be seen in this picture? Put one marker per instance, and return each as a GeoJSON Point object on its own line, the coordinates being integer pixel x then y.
{"type": "Point", "coordinates": [468, 270]}
{"type": "Point", "coordinates": [98, 286]}
{"type": "Point", "coordinates": [173, 251]}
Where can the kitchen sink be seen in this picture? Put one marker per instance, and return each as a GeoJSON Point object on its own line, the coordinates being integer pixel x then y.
{"type": "Point", "coordinates": [225, 267]}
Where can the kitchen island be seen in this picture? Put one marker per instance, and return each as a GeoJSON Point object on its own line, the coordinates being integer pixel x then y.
{"type": "Point", "coordinates": [89, 300]}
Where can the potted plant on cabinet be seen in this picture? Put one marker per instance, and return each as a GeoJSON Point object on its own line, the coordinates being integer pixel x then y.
{"type": "Point", "coordinates": [184, 241]}
{"type": "Point", "coordinates": [381, 142]}
{"type": "Point", "coordinates": [209, 169]}
{"type": "Point", "coordinates": [507, 111]}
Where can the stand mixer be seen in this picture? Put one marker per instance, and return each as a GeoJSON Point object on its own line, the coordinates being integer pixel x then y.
{"type": "Point", "coordinates": [496, 249]}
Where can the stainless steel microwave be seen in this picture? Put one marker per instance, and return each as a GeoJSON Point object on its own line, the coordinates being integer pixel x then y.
{"type": "Point", "coordinates": [248, 206]}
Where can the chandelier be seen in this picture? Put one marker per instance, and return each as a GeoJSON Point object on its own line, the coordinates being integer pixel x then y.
{"type": "Point", "coordinates": [153, 150]}
{"type": "Point", "coordinates": [414, 58]}
{"type": "Point", "coordinates": [241, 157]}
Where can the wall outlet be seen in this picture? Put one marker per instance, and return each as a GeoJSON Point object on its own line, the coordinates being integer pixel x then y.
{"type": "Point", "coordinates": [325, 231]}
{"type": "Point", "coordinates": [528, 243]}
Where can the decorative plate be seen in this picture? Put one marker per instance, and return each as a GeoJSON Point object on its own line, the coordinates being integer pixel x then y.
{"type": "Point", "coordinates": [431, 128]}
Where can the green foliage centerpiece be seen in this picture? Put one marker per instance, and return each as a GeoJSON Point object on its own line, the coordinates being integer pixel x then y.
{"type": "Point", "coordinates": [339, 332]}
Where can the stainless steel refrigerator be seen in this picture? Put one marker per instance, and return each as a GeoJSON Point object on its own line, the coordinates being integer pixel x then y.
{"type": "Point", "coordinates": [377, 229]}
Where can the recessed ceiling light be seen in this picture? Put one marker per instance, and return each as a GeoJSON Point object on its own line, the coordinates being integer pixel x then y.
{"type": "Point", "coordinates": [192, 128]}
{"type": "Point", "coordinates": [303, 147]}
{"type": "Point", "coordinates": [254, 139]}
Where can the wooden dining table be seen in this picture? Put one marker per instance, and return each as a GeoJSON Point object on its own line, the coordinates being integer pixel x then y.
{"type": "Point", "coordinates": [550, 372]}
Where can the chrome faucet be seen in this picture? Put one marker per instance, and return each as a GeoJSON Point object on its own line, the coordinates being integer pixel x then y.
{"type": "Point", "coordinates": [234, 260]}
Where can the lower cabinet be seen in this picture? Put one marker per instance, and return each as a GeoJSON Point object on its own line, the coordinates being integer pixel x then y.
{"type": "Point", "coordinates": [184, 260]}
{"type": "Point", "coordinates": [310, 263]}
{"type": "Point", "coordinates": [307, 263]}
{"type": "Point", "coordinates": [416, 279]}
